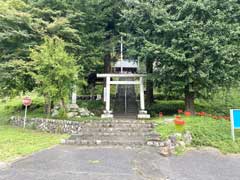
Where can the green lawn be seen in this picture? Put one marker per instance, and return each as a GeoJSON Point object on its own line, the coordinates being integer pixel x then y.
{"type": "Point", "coordinates": [206, 132]}
{"type": "Point", "coordinates": [17, 142]}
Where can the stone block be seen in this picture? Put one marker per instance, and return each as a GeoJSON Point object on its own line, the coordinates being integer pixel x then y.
{"type": "Point", "coordinates": [107, 116]}
{"type": "Point", "coordinates": [187, 138]}
{"type": "Point", "coordinates": [181, 143]}
{"type": "Point", "coordinates": [150, 143]}
{"type": "Point", "coordinates": [63, 141]}
{"type": "Point", "coordinates": [98, 142]}
{"type": "Point", "coordinates": [73, 107]}
{"type": "Point", "coordinates": [144, 116]}
{"type": "Point", "coordinates": [165, 151]}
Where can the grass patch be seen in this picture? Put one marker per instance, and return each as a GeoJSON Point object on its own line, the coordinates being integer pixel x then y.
{"type": "Point", "coordinates": [17, 142]}
{"type": "Point", "coordinates": [206, 132]}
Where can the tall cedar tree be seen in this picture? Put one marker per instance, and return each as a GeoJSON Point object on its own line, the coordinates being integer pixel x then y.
{"type": "Point", "coordinates": [195, 44]}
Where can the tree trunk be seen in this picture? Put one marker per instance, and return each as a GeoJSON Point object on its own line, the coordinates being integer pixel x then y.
{"type": "Point", "coordinates": [63, 105]}
{"type": "Point", "coordinates": [107, 63]}
{"type": "Point", "coordinates": [189, 101]}
{"type": "Point", "coordinates": [150, 97]}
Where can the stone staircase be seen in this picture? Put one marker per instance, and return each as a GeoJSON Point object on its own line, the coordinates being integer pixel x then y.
{"type": "Point", "coordinates": [125, 96]}
{"type": "Point", "coordinates": [121, 132]}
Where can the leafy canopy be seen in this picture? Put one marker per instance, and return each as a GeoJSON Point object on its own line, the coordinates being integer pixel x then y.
{"type": "Point", "coordinates": [195, 44]}
{"type": "Point", "coordinates": [55, 71]}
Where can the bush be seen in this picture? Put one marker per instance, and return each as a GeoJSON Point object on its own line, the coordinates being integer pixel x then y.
{"type": "Point", "coordinates": [221, 102]}
{"type": "Point", "coordinates": [93, 105]}
{"type": "Point", "coordinates": [167, 107]}
{"type": "Point", "coordinates": [62, 114]}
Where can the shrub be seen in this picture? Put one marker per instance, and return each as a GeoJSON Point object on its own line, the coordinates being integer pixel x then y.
{"type": "Point", "coordinates": [93, 105]}
{"type": "Point", "coordinates": [167, 107]}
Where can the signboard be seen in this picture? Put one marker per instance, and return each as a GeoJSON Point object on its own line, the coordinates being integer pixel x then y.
{"type": "Point", "coordinates": [27, 101]}
{"type": "Point", "coordinates": [235, 121]}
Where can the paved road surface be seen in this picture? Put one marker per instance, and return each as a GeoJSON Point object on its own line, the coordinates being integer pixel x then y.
{"type": "Point", "coordinates": [78, 163]}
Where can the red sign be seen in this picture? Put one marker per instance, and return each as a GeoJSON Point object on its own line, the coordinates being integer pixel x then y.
{"type": "Point", "coordinates": [27, 101]}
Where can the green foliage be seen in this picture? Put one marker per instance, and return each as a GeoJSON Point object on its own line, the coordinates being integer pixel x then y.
{"type": "Point", "coordinates": [194, 44]}
{"type": "Point", "coordinates": [221, 101]}
{"type": "Point", "coordinates": [16, 142]}
{"type": "Point", "coordinates": [13, 106]}
{"type": "Point", "coordinates": [206, 132]}
{"type": "Point", "coordinates": [166, 107]}
{"type": "Point", "coordinates": [18, 30]}
{"type": "Point", "coordinates": [22, 27]}
{"type": "Point", "coordinates": [94, 106]}
{"type": "Point", "coordinates": [62, 114]}
{"type": "Point", "coordinates": [170, 107]}
{"type": "Point", "coordinates": [54, 69]}
{"type": "Point", "coordinates": [15, 78]}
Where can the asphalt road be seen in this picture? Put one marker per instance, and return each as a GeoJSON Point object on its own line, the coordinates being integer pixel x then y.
{"type": "Point", "coordinates": [78, 163]}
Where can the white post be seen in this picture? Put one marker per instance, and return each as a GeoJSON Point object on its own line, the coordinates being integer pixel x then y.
{"type": "Point", "coordinates": [25, 117]}
{"type": "Point", "coordinates": [232, 124]}
{"type": "Point", "coordinates": [108, 94]}
{"type": "Point", "coordinates": [142, 113]}
{"type": "Point", "coordinates": [142, 103]}
{"type": "Point", "coordinates": [121, 53]}
{"type": "Point", "coordinates": [74, 95]}
{"type": "Point", "coordinates": [125, 100]}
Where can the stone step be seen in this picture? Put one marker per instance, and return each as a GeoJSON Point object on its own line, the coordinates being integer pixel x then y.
{"type": "Point", "coordinates": [94, 137]}
{"type": "Point", "coordinates": [115, 129]}
{"type": "Point", "coordinates": [126, 116]}
{"type": "Point", "coordinates": [120, 121]}
{"type": "Point", "coordinates": [119, 125]}
{"type": "Point", "coordinates": [105, 142]}
{"type": "Point", "coordinates": [120, 134]}
{"type": "Point", "coordinates": [115, 138]}
{"type": "Point", "coordinates": [122, 110]}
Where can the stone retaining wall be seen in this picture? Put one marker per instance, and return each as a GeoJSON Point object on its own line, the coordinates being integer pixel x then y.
{"type": "Point", "coordinates": [49, 125]}
{"type": "Point", "coordinates": [166, 147]}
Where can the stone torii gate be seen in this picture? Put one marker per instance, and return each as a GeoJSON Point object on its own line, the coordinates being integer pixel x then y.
{"type": "Point", "coordinates": [107, 112]}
